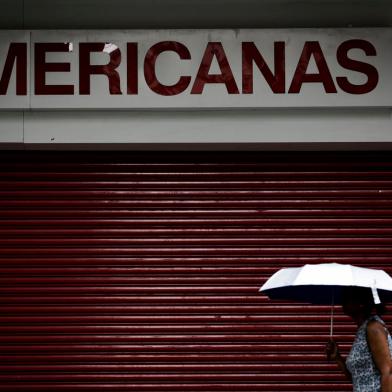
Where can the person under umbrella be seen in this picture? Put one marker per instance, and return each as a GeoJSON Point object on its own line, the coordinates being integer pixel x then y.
{"type": "Point", "coordinates": [358, 290]}
{"type": "Point", "coordinates": [369, 363]}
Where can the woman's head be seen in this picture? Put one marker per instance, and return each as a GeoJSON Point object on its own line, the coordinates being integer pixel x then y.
{"type": "Point", "coordinates": [359, 302]}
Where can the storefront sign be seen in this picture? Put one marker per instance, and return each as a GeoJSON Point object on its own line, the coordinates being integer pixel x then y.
{"type": "Point", "coordinates": [195, 69]}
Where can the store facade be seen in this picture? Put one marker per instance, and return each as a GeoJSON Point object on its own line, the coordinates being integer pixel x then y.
{"type": "Point", "coordinates": [151, 180]}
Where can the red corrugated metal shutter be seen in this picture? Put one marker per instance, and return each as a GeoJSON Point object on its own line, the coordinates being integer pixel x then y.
{"type": "Point", "coordinates": [130, 272]}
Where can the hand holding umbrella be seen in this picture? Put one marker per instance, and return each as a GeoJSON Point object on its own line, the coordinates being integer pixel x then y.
{"type": "Point", "coordinates": [332, 350]}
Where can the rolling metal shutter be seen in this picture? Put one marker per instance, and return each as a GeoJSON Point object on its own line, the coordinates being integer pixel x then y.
{"type": "Point", "coordinates": [126, 272]}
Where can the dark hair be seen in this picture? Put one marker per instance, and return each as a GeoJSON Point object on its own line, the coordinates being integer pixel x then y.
{"type": "Point", "coordinates": [364, 296]}
{"type": "Point", "coordinates": [380, 309]}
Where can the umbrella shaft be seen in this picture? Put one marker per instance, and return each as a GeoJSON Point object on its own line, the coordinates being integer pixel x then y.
{"type": "Point", "coordinates": [331, 325]}
{"type": "Point", "coordinates": [332, 311]}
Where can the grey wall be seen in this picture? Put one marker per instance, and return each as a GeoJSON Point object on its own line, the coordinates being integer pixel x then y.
{"type": "Point", "coordinates": [117, 14]}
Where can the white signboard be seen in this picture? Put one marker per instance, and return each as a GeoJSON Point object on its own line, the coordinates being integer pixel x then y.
{"type": "Point", "coordinates": [196, 69]}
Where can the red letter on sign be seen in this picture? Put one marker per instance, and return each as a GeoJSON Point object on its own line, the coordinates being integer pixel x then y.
{"type": "Point", "coordinates": [132, 75]}
{"type": "Point", "coordinates": [214, 49]}
{"type": "Point", "coordinates": [250, 54]}
{"type": "Point", "coordinates": [86, 69]}
{"type": "Point", "coordinates": [312, 48]}
{"type": "Point", "coordinates": [17, 52]}
{"type": "Point", "coordinates": [149, 68]}
{"type": "Point", "coordinates": [359, 66]}
{"type": "Point", "coordinates": [41, 67]}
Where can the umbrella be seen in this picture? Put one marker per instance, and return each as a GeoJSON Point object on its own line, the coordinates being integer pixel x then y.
{"type": "Point", "coordinates": [323, 284]}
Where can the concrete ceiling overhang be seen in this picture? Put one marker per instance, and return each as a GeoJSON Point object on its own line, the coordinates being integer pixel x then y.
{"type": "Point", "coordinates": [150, 14]}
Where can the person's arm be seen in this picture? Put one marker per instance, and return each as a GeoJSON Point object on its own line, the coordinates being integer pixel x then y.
{"type": "Point", "coordinates": [333, 354]}
{"type": "Point", "coordinates": [378, 344]}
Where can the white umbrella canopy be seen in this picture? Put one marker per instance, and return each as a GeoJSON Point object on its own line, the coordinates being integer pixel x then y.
{"type": "Point", "coordinates": [323, 284]}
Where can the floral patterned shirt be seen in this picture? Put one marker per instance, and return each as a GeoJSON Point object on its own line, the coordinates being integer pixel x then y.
{"type": "Point", "coordinates": [366, 377]}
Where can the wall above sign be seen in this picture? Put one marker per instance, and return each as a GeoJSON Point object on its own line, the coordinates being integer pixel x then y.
{"type": "Point", "coordinates": [211, 69]}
